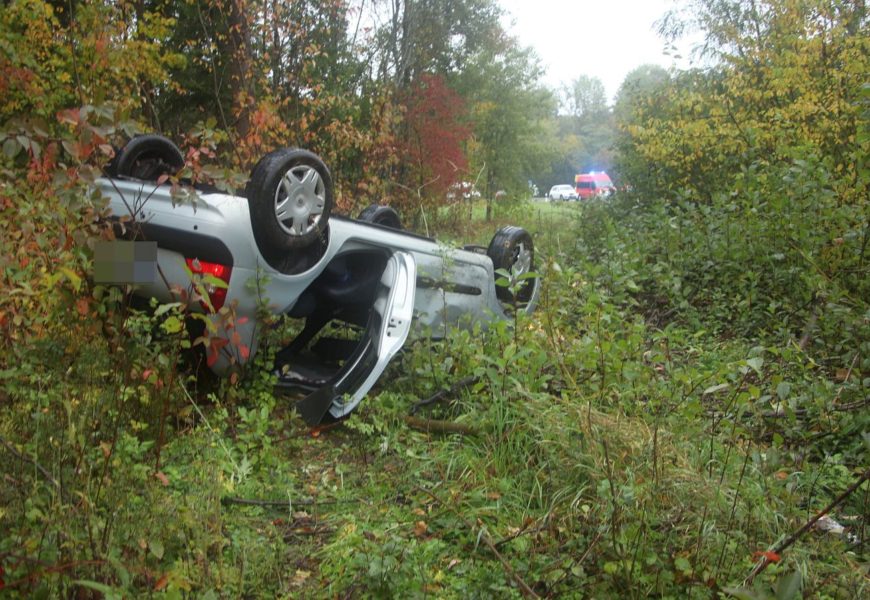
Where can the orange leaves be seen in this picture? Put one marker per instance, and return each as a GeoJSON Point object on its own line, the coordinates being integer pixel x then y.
{"type": "Point", "coordinates": [161, 583]}
{"type": "Point", "coordinates": [768, 555]}
{"type": "Point", "coordinates": [215, 344]}
{"type": "Point", "coordinates": [82, 307]}
{"type": "Point", "coordinates": [421, 529]}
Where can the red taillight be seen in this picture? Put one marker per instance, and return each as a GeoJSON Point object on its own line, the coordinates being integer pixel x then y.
{"type": "Point", "coordinates": [216, 294]}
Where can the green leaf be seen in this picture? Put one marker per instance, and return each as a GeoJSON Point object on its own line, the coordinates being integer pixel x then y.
{"type": "Point", "coordinates": [11, 148]}
{"type": "Point", "coordinates": [683, 565]}
{"type": "Point", "coordinates": [783, 390]}
{"type": "Point", "coordinates": [788, 586]}
{"type": "Point", "coordinates": [164, 308]}
{"type": "Point", "coordinates": [214, 281]}
{"type": "Point", "coordinates": [756, 364]}
{"type": "Point", "coordinates": [172, 324]}
{"type": "Point", "coordinates": [73, 277]}
{"type": "Point", "coordinates": [715, 388]}
{"type": "Point", "coordinates": [156, 548]}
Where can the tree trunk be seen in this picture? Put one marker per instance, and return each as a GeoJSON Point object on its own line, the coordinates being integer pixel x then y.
{"type": "Point", "coordinates": [238, 67]}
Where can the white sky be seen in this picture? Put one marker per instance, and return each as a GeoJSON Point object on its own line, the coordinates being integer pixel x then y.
{"type": "Point", "coordinates": [598, 38]}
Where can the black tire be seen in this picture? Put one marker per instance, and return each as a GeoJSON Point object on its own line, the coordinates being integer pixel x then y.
{"type": "Point", "coordinates": [147, 157]}
{"type": "Point", "coordinates": [290, 196]}
{"type": "Point", "coordinates": [512, 249]}
{"type": "Point", "coordinates": [381, 215]}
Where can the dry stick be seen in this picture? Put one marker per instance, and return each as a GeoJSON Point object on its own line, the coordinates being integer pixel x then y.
{"type": "Point", "coordinates": [300, 532]}
{"type": "Point", "coordinates": [283, 503]}
{"type": "Point", "coordinates": [779, 548]}
{"type": "Point", "coordinates": [524, 587]}
{"type": "Point", "coordinates": [733, 510]}
{"type": "Point", "coordinates": [522, 531]}
{"type": "Point", "coordinates": [846, 380]}
{"type": "Point", "coordinates": [445, 393]}
{"type": "Point", "coordinates": [433, 425]}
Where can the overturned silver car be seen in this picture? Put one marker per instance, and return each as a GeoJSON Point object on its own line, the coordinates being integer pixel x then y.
{"type": "Point", "coordinates": [309, 264]}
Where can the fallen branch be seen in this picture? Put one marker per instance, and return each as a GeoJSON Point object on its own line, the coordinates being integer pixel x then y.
{"type": "Point", "coordinates": [282, 503]}
{"type": "Point", "coordinates": [850, 406]}
{"type": "Point", "coordinates": [432, 425]}
{"type": "Point", "coordinates": [524, 587]}
{"type": "Point", "coordinates": [783, 545]}
{"type": "Point", "coordinates": [300, 532]}
{"type": "Point", "coordinates": [445, 393]}
{"type": "Point", "coordinates": [522, 531]}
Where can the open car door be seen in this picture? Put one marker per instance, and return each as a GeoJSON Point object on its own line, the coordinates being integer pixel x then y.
{"type": "Point", "coordinates": [385, 334]}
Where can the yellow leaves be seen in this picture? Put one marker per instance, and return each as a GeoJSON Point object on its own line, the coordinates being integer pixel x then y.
{"type": "Point", "coordinates": [300, 577]}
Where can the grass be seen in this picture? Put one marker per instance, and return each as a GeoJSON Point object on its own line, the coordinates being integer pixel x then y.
{"type": "Point", "coordinates": [614, 455]}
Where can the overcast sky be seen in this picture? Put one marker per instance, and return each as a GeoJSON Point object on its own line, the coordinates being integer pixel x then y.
{"type": "Point", "coordinates": [599, 38]}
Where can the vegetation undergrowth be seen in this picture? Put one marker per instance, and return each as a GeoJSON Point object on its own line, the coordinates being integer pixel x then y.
{"type": "Point", "coordinates": [608, 450]}
{"type": "Point", "coordinates": [691, 390]}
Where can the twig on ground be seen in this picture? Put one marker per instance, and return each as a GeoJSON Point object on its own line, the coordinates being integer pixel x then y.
{"type": "Point", "coordinates": [283, 503]}
{"type": "Point", "coordinates": [432, 425]}
{"type": "Point", "coordinates": [522, 531]}
{"type": "Point", "coordinates": [445, 393]}
{"type": "Point", "coordinates": [783, 545]}
{"type": "Point", "coordinates": [290, 533]}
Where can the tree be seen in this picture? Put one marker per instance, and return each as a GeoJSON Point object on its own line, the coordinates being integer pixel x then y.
{"type": "Point", "coordinates": [585, 99]}
{"type": "Point", "coordinates": [435, 133]}
{"type": "Point", "coordinates": [432, 36]}
{"type": "Point", "coordinates": [639, 82]}
{"type": "Point", "coordinates": [508, 108]}
{"type": "Point", "coordinates": [786, 81]}
{"type": "Point", "coordinates": [586, 130]}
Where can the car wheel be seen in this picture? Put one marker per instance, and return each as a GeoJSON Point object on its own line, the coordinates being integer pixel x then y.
{"type": "Point", "coordinates": [381, 215]}
{"type": "Point", "coordinates": [290, 196]}
{"type": "Point", "coordinates": [147, 157]}
{"type": "Point", "coordinates": [512, 249]}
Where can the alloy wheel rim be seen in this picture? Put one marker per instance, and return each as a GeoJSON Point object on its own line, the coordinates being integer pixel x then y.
{"type": "Point", "coordinates": [299, 200]}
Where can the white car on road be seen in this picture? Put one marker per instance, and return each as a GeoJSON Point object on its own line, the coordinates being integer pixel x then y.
{"type": "Point", "coordinates": [562, 192]}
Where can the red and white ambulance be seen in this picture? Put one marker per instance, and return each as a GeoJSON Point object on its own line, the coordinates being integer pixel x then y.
{"type": "Point", "coordinates": [593, 184]}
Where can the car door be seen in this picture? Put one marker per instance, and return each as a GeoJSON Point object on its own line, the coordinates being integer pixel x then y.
{"type": "Point", "coordinates": [385, 334]}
